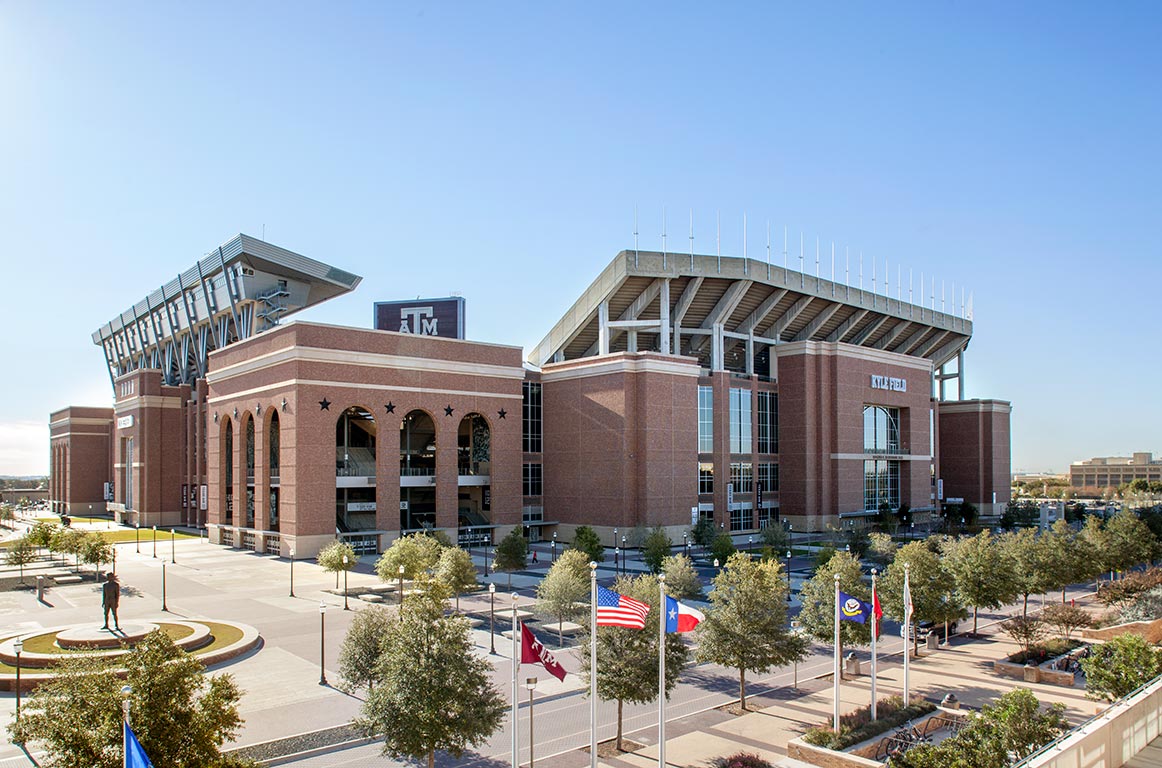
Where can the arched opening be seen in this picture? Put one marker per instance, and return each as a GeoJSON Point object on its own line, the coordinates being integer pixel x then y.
{"type": "Point", "coordinates": [355, 433]}
{"type": "Point", "coordinates": [248, 450]}
{"type": "Point", "coordinates": [417, 471]}
{"type": "Point", "coordinates": [272, 458]}
{"type": "Point", "coordinates": [474, 460]}
{"type": "Point", "coordinates": [227, 454]}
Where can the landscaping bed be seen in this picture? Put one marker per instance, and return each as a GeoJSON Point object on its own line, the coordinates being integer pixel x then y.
{"type": "Point", "coordinates": [858, 726]}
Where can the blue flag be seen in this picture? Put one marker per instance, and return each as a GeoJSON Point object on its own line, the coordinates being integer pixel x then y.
{"type": "Point", "coordinates": [135, 756]}
{"type": "Point", "coordinates": [853, 609]}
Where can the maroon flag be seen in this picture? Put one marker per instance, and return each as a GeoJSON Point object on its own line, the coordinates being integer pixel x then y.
{"type": "Point", "coordinates": [532, 651]}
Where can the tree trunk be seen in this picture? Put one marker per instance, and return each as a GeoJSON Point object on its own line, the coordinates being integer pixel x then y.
{"type": "Point", "coordinates": [974, 609]}
{"type": "Point", "coordinates": [432, 759]}
{"type": "Point", "coordinates": [742, 689]}
{"type": "Point", "coordinates": [1025, 612]}
{"type": "Point", "coordinates": [457, 601]}
{"type": "Point", "coordinates": [560, 632]}
{"type": "Point", "coordinates": [1063, 595]}
{"type": "Point", "coordinates": [618, 743]}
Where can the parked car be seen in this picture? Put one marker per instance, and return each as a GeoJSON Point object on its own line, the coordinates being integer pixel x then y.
{"type": "Point", "coordinates": [927, 627]}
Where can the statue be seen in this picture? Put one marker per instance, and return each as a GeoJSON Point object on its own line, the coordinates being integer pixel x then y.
{"type": "Point", "coordinates": [110, 596]}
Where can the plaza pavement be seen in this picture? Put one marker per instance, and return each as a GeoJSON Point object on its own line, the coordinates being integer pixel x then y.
{"type": "Point", "coordinates": [281, 680]}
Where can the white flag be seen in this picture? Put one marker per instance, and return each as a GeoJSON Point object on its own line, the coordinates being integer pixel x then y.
{"type": "Point", "coordinates": [908, 609]}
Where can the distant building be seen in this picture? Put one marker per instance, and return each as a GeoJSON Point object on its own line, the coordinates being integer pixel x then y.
{"type": "Point", "coordinates": [1112, 471]}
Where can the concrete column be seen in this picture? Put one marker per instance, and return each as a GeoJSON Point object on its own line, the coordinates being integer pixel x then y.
{"type": "Point", "coordinates": [960, 374]}
{"type": "Point", "coordinates": [750, 354]}
{"type": "Point", "coordinates": [664, 309]}
{"type": "Point", "coordinates": [603, 328]}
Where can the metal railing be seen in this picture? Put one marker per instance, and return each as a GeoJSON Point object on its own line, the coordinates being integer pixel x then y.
{"type": "Point", "coordinates": [908, 736]}
{"type": "Point", "coordinates": [273, 544]}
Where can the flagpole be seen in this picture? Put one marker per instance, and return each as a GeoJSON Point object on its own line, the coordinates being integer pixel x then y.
{"type": "Point", "coordinates": [837, 653]}
{"type": "Point", "coordinates": [907, 631]}
{"type": "Point", "coordinates": [875, 631]}
{"type": "Point", "coordinates": [662, 670]}
{"type": "Point", "coordinates": [593, 665]}
{"type": "Point", "coordinates": [515, 689]}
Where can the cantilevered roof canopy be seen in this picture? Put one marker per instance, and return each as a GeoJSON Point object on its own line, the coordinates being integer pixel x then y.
{"type": "Point", "coordinates": [242, 287]}
{"type": "Point", "coordinates": [728, 312]}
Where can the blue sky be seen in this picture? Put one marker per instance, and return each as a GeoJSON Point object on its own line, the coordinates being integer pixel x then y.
{"type": "Point", "coordinates": [498, 151]}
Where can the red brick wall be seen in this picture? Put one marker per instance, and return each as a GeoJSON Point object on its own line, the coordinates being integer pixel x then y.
{"type": "Point", "coordinates": [975, 452]}
{"type": "Point", "coordinates": [80, 458]}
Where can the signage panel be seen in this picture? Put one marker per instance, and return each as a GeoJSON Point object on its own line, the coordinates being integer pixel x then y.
{"type": "Point", "coordinates": [423, 317]}
{"type": "Point", "coordinates": [202, 497]}
{"type": "Point", "coordinates": [125, 422]}
{"type": "Point", "coordinates": [889, 383]}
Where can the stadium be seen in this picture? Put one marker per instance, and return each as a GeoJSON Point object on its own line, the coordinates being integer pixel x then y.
{"type": "Point", "coordinates": [677, 387]}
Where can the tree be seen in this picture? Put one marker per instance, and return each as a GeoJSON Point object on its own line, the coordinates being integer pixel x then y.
{"type": "Point", "coordinates": [331, 558]}
{"type": "Point", "coordinates": [7, 515]}
{"type": "Point", "coordinates": [1119, 667]}
{"type": "Point", "coordinates": [67, 541]}
{"type": "Point", "coordinates": [817, 597]}
{"type": "Point", "coordinates": [682, 581]}
{"type": "Point", "coordinates": [722, 548]}
{"type": "Point", "coordinates": [1031, 563]}
{"type": "Point", "coordinates": [1003, 733]}
{"type": "Point", "coordinates": [512, 553]}
{"type": "Point", "coordinates": [434, 692]}
{"type": "Point", "coordinates": [561, 594]}
{"type": "Point", "coordinates": [94, 551]}
{"type": "Point", "coordinates": [417, 553]}
{"type": "Point", "coordinates": [857, 541]}
{"type": "Point", "coordinates": [1068, 557]}
{"type": "Point", "coordinates": [41, 533]}
{"type": "Point", "coordinates": [1025, 630]}
{"type": "Point", "coordinates": [363, 648]}
{"type": "Point", "coordinates": [703, 532]}
{"type": "Point", "coordinates": [1066, 618]}
{"type": "Point", "coordinates": [932, 587]}
{"type": "Point", "coordinates": [586, 540]}
{"type": "Point", "coordinates": [881, 549]}
{"type": "Point", "coordinates": [823, 556]}
{"type": "Point", "coordinates": [21, 553]}
{"type": "Point", "coordinates": [982, 573]}
{"type": "Point", "coordinates": [776, 539]}
{"type": "Point", "coordinates": [746, 626]}
{"type": "Point", "coordinates": [1093, 533]}
{"type": "Point", "coordinates": [180, 715]}
{"type": "Point", "coordinates": [656, 549]}
{"type": "Point", "coordinates": [627, 659]}
{"type": "Point", "coordinates": [1129, 539]}
{"type": "Point", "coordinates": [456, 571]}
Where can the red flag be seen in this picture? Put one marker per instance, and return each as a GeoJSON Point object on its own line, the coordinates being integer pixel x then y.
{"type": "Point", "coordinates": [532, 651]}
{"type": "Point", "coordinates": [878, 611]}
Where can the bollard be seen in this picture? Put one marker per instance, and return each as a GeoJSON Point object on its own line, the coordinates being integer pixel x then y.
{"type": "Point", "coordinates": [40, 588]}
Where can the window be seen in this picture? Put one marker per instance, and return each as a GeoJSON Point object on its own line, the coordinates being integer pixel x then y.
{"type": "Point", "coordinates": [881, 484]}
{"type": "Point", "coordinates": [769, 477]}
{"type": "Point", "coordinates": [742, 476]}
{"type": "Point", "coordinates": [705, 419]}
{"type": "Point", "coordinates": [740, 426]}
{"type": "Point", "coordinates": [881, 429]}
{"type": "Point", "coordinates": [766, 515]}
{"type": "Point", "coordinates": [705, 478]}
{"type": "Point", "coordinates": [532, 480]}
{"type": "Point", "coordinates": [740, 519]}
{"type": "Point", "coordinates": [768, 422]}
{"type": "Point", "coordinates": [531, 418]}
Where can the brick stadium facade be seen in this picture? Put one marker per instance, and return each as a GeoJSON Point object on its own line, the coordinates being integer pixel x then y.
{"type": "Point", "coordinates": [672, 390]}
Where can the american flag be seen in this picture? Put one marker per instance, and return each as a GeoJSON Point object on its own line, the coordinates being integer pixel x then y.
{"type": "Point", "coordinates": [614, 610]}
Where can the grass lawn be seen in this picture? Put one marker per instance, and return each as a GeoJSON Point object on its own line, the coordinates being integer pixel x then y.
{"type": "Point", "coordinates": [123, 535]}
{"type": "Point", "coordinates": [223, 634]}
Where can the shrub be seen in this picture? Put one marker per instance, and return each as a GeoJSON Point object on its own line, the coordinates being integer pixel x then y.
{"type": "Point", "coordinates": [857, 726]}
{"type": "Point", "coordinates": [1146, 606]}
{"type": "Point", "coordinates": [1042, 652]}
{"type": "Point", "coordinates": [1129, 586]}
{"type": "Point", "coordinates": [741, 760]}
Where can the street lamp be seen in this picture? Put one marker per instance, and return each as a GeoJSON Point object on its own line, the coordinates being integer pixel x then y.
{"type": "Point", "coordinates": [322, 642]}
{"type": "Point", "coordinates": [155, 542]}
{"type": "Point", "coordinates": [18, 646]}
{"type": "Point", "coordinates": [173, 547]}
{"type": "Point", "coordinates": [912, 528]}
{"type": "Point", "coordinates": [788, 575]}
{"type": "Point", "coordinates": [401, 591]}
{"type": "Point", "coordinates": [624, 556]}
{"type": "Point", "coordinates": [616, 558]}
{"type": "Point", "coordinates": [716, 562]}
{"type": "Point", "coordinates": [553, 546]}
{"type": "Point", "coordinates": [292, 570]}
{"type": "Point", "coordinates": [686, 544]}
{"type": "Point", "coordinates": [530, 683]}
{"type": "Point", "coordinates": [345, 606]}
{"type": "Point", "coordinates": [163, 606]}
{"type": "Point", "coordinates": [750, 542]}
{"type": "Point", "coordinates": [492, 618]}
{"type": "Point", "coordinates": [137, 531]}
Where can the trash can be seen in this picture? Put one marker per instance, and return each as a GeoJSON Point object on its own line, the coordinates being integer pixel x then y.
{"type": "Point", "coordinates": [851, 665]}
{"type": "Point", "coordinates": [933, 641]}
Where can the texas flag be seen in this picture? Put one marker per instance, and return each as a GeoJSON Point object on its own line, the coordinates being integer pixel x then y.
{"type": "Point", "coordinates": [681, 618]}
